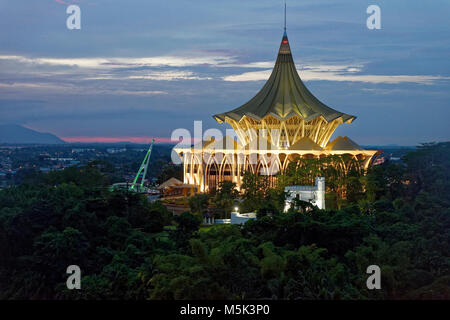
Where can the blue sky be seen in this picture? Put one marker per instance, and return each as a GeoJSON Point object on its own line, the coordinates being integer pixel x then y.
{"type": "Point", "coordinates": [144, 68]}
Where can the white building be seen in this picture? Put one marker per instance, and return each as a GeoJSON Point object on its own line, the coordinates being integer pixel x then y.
{"type": "Point", "coordinates": [312, 194]}
{"type": "Point", "coordinates": [241, 218]}
{"type": "Point", "coordinates": [236, 218]}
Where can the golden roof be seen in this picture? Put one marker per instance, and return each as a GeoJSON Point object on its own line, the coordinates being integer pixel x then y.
{"type": "Point", "coordinates": [343, 143]}
{"type": "Point", "coordinates": [305, 143]}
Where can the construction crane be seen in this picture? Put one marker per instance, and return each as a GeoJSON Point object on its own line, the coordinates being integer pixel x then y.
{"type": "Point", "coordinates": [137, 186]}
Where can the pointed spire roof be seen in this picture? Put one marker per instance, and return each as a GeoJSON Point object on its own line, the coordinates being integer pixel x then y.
{"type": "Point", "coordinates": [170, 183]}
{"type": "Point", "coordinates": [305, 143]}
{"type": "Point", "coordinates": [284, 95]}
{"type": "Point", "coordinates": [343, 143]}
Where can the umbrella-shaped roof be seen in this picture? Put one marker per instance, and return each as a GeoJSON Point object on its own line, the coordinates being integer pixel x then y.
{"type": "Point", "coordinates": [284, 95]}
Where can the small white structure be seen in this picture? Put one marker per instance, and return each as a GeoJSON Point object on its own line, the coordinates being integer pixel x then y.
{"type": "Point", "coordinates": [222, 221]}
{"type": "Point", "coordinates": [237, 218]}
{"type": "Point", "coordinates": [241, 218]}
{"type": "Point", "coordinates": [312, 194]}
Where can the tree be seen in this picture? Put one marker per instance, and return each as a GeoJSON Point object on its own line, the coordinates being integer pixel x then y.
{"type": "Point", "coordinates": [169, 171]}
{"type": "Point", "coordinates": [354, 189]}
{"type": "Point", "coordinates": [199, 203]}
{"type": "Point", "coordinates": [187, 225]}
{"type": "Point", "coordinates": [225, 196]}
{"type": "Point", "coordinates": [254, 189]}
{"type": "Point", "coordinates": [54, 251]}
{"type": "Point", "coordinates": [125, 252]}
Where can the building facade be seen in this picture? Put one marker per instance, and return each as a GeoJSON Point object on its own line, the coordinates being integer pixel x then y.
{"type": "Point", "coordinates": [281, 123]}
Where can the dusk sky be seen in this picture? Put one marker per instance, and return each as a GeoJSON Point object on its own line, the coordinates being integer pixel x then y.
{"type": "Point", "coordinates": [142, 68]}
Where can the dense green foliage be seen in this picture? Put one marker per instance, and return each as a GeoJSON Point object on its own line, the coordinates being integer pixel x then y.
{"type": "Point", "coordinates": [397, 217]}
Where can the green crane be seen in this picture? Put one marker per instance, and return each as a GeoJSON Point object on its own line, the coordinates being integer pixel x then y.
{"type": "Point", "coordinates": [139, 187]}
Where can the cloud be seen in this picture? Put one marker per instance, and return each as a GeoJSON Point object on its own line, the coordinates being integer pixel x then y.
{"type": "Point", "coordinates": [315, 67]}
{"type": "Point", "coordinates": [257, 64]}
{"type": "Point", "coordinates": [169, 76]}
{"type": "Point", "coordinates": [108, 63]}
{"type": "Point", "coordinates": [249, 76]}
{"type": "Point", "coordinates": [29, 85]}
{"type": "Point", "coordinates": [132, 92]}
{"type": "Point", "coordinates": [339, 73]}
{"type": "Point", "coordinates": [72, 89]}
{"type": "Point", "coordinates": [17, 68]}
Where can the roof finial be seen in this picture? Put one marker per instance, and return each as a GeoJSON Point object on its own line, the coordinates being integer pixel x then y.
{"type": "Point", "coordinates": [285, 16]}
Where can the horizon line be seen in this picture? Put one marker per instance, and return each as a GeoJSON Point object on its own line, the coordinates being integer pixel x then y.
{"type": "Point", "coordinates": [103, 139]}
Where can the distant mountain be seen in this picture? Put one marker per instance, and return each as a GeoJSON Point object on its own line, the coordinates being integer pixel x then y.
{"type": "Point", "coordinates": [15, 134]}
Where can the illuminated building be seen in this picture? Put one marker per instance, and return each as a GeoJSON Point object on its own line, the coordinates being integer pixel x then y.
{"type": "Point", "coordinates": [282, 122]}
